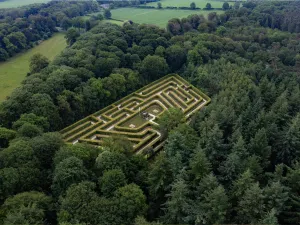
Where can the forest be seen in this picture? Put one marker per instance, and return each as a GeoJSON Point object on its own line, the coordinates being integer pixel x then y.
{"type": "Point", "coordinates": [22, 28]}
{"type": "Point", "coordinates": [236, 162]}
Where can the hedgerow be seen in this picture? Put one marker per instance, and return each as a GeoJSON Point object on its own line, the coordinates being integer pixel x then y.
{"type": "Point", "coordinates": [169, 91]}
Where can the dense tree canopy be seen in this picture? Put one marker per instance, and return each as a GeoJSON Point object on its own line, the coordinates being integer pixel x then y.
{"type": "Point", "coordinates": [235, 162]}
{"type": "Point", "coordinates": [23, 28]}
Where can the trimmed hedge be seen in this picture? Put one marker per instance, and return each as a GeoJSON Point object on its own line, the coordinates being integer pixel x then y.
{"type": "Point", "coordinates": [84, 132]}
{"type": "Point", "coordinates": [98, 113]}
{"type": "Point", "coordinates": [178, 93]}
{"type": "Point", "coordinates": [74, 125]}
{"type": "Point", "coordinates": [178, 100]}
{"type": "Point", "coordinates": [144, 143]}
{"type": "Point", "coordinates": [77, 129]}
{"type": "Point", "coordinates": [193, 106]}
{"type": "Point", "coordinates": [145, 7]}
{"type": "Point", "coordinates": [143, 136]}
{"type": "Point", "coordinates": [174, 103]}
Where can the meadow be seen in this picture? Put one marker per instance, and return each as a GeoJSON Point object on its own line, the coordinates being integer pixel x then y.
{"type": "Point", "coordinates": [18, 3]}
{"type": "Point", "coordinates": [158, 17]}
{"type": "Point", "coordinates": [186, 3]}
{"type": "Point", "coordinates": [15, 69]}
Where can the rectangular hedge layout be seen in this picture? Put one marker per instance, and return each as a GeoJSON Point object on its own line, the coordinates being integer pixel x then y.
{"type": "Point", "coordinates": [126, 117]}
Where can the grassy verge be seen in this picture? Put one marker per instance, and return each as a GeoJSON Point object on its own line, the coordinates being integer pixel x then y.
{"type": "Point", "coordinates": [13, 71]}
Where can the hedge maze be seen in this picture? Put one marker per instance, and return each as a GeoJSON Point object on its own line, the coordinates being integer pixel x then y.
{"type": "Point", "coordinates": [134, 116]}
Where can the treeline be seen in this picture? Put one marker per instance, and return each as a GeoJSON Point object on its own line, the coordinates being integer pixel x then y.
{"type": "Point", "coordinates": [276, 15]}
{"type": "Point", "coordinates": [85, 78]}
{"type": "Point", "coordinates": [22, 28]}
{"type": "Point", "coordinates": [236, 162]}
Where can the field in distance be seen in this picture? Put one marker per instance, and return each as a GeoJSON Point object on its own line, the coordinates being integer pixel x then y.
{"type": "Point", "coordinates": [133, 116]}
{"type": "Point", "coordinates": [13, 71]}
{"type": "Point", "coordinates": [18, 3]}
{"type": "Point", "coordinates": [155, 16]}
{"type": "Point", "coordinates": [186, 3]}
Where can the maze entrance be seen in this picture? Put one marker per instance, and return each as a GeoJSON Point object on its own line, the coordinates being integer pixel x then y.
{"type": "Point", "coordinates": [134, 116]}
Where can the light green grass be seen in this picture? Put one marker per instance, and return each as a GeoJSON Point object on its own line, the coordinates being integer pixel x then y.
{"type": "Point", "coordinates": [154, 16]}
{"type": "Point", "coordinates": [137, 121]}
{"type": "Point", "coordinates": [18, 3]}
{"type": "Point", "coordinates": [186, 3]}
{"type": "Point", "coordinates": [13, 71]}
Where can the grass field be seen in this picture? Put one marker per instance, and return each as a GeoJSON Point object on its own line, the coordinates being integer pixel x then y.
{"type": "Point", "coordinates": [17, 3]}
{"type": "Point", "coordinates": [199, 3]}
{"type": "Point", "coordinates": [13, 71]}
{"type": "Point", "coordinates": [154, 16]}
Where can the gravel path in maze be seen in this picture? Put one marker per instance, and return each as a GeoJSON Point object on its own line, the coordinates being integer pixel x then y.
{"type": "Point", "coordinates": [127, 116]}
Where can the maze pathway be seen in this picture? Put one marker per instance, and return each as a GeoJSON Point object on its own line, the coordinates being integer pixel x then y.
{"type": "Point", "coordinates": [126, 117]}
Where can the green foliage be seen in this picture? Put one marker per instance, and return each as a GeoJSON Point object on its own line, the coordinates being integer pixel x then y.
{"type": "Point", "coordinates": [270, 218]}
{"type": "Point", "coordinates": [111, 160]}
{"type": "Point", "coordinates": [276, 196]}
{"type": "Point", "coordinates": [259, 146]}
{"type": "Point", "coordinates": [141, 221]}
{"type": "Point", "coordinates": [200, 165]}
{"type": "Point", "coordinates": [251, 205]}
{"type": "Point", "coordinates": [84, 152]}
{"type": "Point", "coordinates": [31, 118]}
{"type": "Point", "coordinates": [71, 35]}
{"type": "Point", "coordinates": [131, 202]}
{"type": "Point", "coordinates": [80, 204]}
{"type": "Point", "coordinates": [107, 14]}
{"type": "Point", "coordinates": [208, 6]}
{"type": "Point", "coordinates": [38, 62]}
{"type": "Point", "coordinates": [213, 206]}
{"type": "Point", "coordinates": [159, 5]}
{"type": "Point", "coordinates": [67, 172]}
{"type": "Point", "coordinates": [160, 176]}
{"type": "Point", "coordinates": [177, 205]}
{"type": "Point", "coordinates": [34, 23]}
{"type": "Point", "coordinates": [111, 181]}
{"type": "Point", "coordinates": [9, 180]}
{"type": "Point", "coordinates": [240, 185]}
{"type": "Point", "coordinates": [27, 208]}
{"type": "Point", "coordinates": [45, 147]}
{"type": "Point", "coordinates": [29, 130]}
{"type": "Point", "coordinates": [290, 142]}
{"type": "Point", "coordinates": [176, 57]}
{"type": "Point", "coordinates": [235, 162]}
{"type": "Point", "coordinates": [193, 5]}
{"type": "Point", "coordinates": [169, 120]}
{"type": "Point", "coordinates": [5, 136]}
{"type": "Point", "coordinates": [225, 6]}
{"type": "Point", "coordinates": [153, 67]}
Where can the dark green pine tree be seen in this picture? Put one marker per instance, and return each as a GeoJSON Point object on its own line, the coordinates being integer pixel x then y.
{"type": "Point", "coordinates": [259, 146]}
{"type": "Point", "coordinates": [292, 214]}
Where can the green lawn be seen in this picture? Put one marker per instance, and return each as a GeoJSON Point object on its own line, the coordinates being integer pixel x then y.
{"type": "Point", "coordinates": [154, 16]}
{"type": "Point", "coordinates": [199, 3]}
{"type": "Point", "coordinates": [13, 71]}
{"type": "Point", "coordinates": [17, 3]}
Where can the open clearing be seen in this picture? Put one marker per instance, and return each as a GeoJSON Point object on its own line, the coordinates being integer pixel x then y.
{"type": "Point", "coordinates": [154, 16]}
{"type": "Point", "coordinates": [186, 3]}
{"type": "Point", "coordinates": [13, 71]}
{"type": "Point", "coordinates": [18, 3]}
{"type": "Point", "coordinates": [133, 116]}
